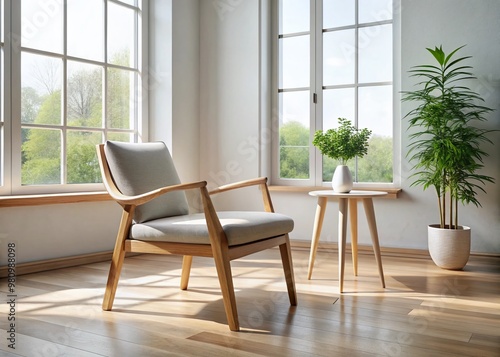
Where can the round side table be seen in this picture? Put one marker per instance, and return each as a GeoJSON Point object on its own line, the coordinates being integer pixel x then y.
{"type": "Point", "coordinates": [347, 202]}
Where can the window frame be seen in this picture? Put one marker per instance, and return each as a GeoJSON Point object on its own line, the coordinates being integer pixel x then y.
{"type": "Point", "coordinates": [316, 88]}
{"type": "Point", "coordinates": [11, 161]}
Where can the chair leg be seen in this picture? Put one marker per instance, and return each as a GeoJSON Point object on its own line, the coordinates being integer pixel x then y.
{"type": "Point", "coordinates": [113, 277]}
{"type": "Point", "coordinates": [286, 259]}
{"type": "Point", "coordinates": [117, 260]}
{"type": "Point", "coordinates": [186, 270]}
{"type": "Point", "coordinates": [223, 267]}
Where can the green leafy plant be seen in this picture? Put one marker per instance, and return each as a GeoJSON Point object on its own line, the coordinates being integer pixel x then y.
{"type": "Point", "coordinates": [343, 143]}
{"type": "Point", "coordinates": [447, 149]}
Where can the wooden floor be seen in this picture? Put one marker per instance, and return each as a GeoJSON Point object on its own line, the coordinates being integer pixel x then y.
{"type": "Point", "coordinates": [424, 311]}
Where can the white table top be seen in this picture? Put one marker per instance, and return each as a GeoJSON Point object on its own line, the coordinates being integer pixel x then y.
{"type": "Point", "coordinates": [352, 194]}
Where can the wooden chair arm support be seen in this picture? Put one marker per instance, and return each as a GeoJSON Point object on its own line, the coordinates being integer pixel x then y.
{"type": "Point", "coordinates": [240, 184]}
{"type": "Point", "coordinates": [259, 181]}
{"type": "Point", "coordinates": [148, 196]}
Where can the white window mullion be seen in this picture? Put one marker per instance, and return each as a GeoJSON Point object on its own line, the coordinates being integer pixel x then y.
{"type": "Point", "coordinates": [317, 87]}
{"type": "Point", "coordinates": [13, 61]}
{"type": "Point", "coordinates": [5, 131]}
{"type": "Point", "coordinates": [275, 112]}
{"type": "Point", "coordinates": [143, 84]}
{"type": "Point", "coordinates": [356, 79]}
{"type": "Point", "coordinates": [136, 85]}
{"type": "Point", "coordinates": [64, 98]}
{"type": "Point", "coordinates": [105, 74]}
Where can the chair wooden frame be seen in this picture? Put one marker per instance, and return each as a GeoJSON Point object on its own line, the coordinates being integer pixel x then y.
{"type": "Point", "coordinates": [218, 247]}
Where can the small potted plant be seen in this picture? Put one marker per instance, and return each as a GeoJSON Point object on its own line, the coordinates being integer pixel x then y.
{"type": "Point", "coordinates": [342, 144]}
{"type": "Point", "coordinates": [447, 149]}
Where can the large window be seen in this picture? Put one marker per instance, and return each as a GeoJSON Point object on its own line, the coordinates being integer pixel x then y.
{"type": "Point", "coordinates": [333, 59]}
{"type": "Point", "coordinates": [75, 78]}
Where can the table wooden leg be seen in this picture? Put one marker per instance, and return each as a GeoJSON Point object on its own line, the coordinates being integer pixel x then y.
{"type": "Point", "coordinates": [318, 223]}
{"type": "Point", "coordinates": [372, 224]}
{"type": "Point", "coordinates": [353, 218]}
{"type": "Point", "coordinates": [343, 208]}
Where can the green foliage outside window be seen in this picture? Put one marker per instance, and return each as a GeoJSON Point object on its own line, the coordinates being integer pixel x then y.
{"type": "Point", "coordinates": [294, 151]}
{"type": "Point", "coordinates": [41, 147]}
{"type": "Point", "coordinates": [375, 166]}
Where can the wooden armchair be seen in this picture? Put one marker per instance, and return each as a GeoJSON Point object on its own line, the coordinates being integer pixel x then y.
{"type": "Point", "coordinates": [156, 219]}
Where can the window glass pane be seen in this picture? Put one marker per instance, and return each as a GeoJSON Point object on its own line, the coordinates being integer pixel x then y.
{"type": "Point", "coordinates": [125, 137]}
{"type": "Point", "coordinates": [2, 12]}
{"type": "Point", "coordinates": [339, 56]}
{"type": "Point", "coordinates": [294, 135]}
{"type": "Point", "coordinates": [86, 29]}
{"type": "Point", "coordinates": [41, 156]}
{"type": "Point", "coordinates": [121, 34]}
{"type": "Point", "coordinates": [40, 89]}
{"type": "Point", "coordinates": [337, 103]}
{"type": "Point", "coordinates": [294, 162]}
{"type": "Point", "coordinates": [375, 109]}
{"type": "Point", "coordinates": [374, 10]}
{"type": "Point", "coordinates": [42, 25]}
{"type": "Point", "coordinates": [294, 62]}
{"type": "Point", "coordinates": [121, 113]}
{"type": "Point", "coordinates": [375, 113]}
{"type": "Point", "coordinates": [2, 71]}
{"type": "Point", "coordinates": [294, 16]}
{"type": "Point", "coordinates": [1, 115]}
{"type": "Point", "coordinates": [337, 13]}
{"type": "Point", "coordinates": [375, 54]}
{"type": "Point", "coordinates": [376, 165]}
{"type": "Point", "coordinates": [84, 97]}
{"type": "Point", "coordinates": [130, 2]}
{"type": "Point", "coordinates": [295, 107]}
{"type": "Point", "coordinates": [82, 164]}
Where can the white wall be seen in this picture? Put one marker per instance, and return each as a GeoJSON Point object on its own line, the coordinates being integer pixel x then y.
{"type": "Point", "coordinates": [229, 107]}
{"type": "Point", "coordinates": [234, 99]}
{"type": "Point", "coordinates": [53, 231]}
{"type": "Point", "coordinates": [231, 112]}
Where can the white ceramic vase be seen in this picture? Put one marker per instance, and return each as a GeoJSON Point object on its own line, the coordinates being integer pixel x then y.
{"type": "Point", "coordinates": [449, 248]}
{"type": "Point", "coordinates": [342, 179]}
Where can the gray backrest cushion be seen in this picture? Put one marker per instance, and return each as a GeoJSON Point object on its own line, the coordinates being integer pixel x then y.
{"type": "Point", "coordinates": [141, 167]}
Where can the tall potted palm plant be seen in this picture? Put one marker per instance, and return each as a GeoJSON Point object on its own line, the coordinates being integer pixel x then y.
{"type": "Point", "coordinates": [447, 149]}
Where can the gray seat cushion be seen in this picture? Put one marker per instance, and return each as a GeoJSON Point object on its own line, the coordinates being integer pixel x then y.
{"type": "Point", "coordinates": [240, 227]}
{"type": "Point", "coordinates": [143, 167]}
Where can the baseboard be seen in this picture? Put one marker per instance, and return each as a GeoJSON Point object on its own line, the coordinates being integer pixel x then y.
{"type": "Point", "coordinates": [363, 249]}
{"type": "Point", "coordinates": [51, 264]}
{"type": "Point", "coordinates": [368, 249]}
{"type": "Point", "coordinates": [67, 262]}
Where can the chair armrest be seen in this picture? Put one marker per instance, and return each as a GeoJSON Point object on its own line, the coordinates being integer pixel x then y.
{"type": "Point", "coordinates": [259, 181]}
{"type": "Point", "coordinates": [148, 196]}
{"type": "Point", "coordinates": [240, 184]}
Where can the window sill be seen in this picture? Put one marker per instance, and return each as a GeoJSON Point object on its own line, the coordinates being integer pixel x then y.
{"type": "Point", "coordinates": [51, 199]}
{"type": "Point", "coordinates": [79, 197]}
{"type": "Point", "coordinates": [393, 193]}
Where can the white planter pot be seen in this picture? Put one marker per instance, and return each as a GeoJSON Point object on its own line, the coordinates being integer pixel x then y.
{"type": "Point", "coordinates": [449, 248]}
{"type": "Point", "coordinates": [342, 179]}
